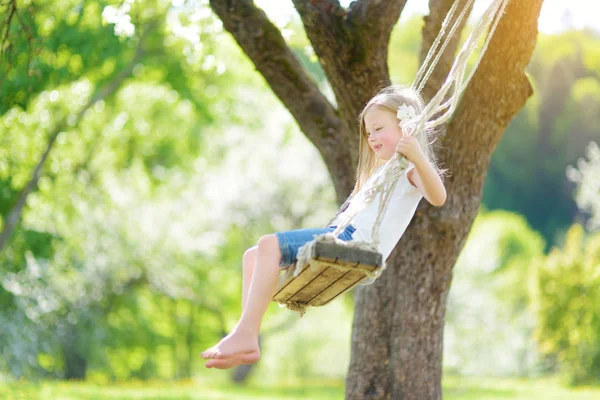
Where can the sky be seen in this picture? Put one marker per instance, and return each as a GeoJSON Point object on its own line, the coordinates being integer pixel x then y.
{"type": "Point", "coordinates": [556, 15]}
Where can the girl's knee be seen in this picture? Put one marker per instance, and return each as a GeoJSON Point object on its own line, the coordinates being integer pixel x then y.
{"type": "Point", "coordinates": [251, 252]}
{"type": "Point", "coordinates": [269, 243]}
{"type": "Point", "coordinates": [250, 256]}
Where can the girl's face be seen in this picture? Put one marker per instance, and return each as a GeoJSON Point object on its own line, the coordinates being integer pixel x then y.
{"type": "Point", "coordinates": [383, 132]}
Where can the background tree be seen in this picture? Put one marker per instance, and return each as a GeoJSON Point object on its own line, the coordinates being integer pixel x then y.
{"type": "Point", "coordinates": [72, 126]}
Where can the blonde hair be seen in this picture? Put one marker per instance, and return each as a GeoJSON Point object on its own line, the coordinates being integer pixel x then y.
{"type": "Point", "coordinates": [389, 99]}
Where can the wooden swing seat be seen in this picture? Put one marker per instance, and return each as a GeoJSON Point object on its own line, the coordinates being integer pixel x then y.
{"type": "Point", "coordinates": [330, 271]}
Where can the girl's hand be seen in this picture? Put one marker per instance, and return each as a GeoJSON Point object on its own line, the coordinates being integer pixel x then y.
{"type": "Point", "coordinates": [409, 148]}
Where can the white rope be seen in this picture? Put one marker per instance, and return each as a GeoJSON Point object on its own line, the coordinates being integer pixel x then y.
{"type": "Point", "coordinates": [420, 84]}
{"type": "Point", "coordinates": [455, 78]}
{"type": "Point", "coordinates": [434, 46]}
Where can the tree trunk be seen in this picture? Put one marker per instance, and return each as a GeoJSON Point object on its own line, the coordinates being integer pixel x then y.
{"type": "Point", "coordinates": [397, 341]}
{"type": "Point", "coordinates": [397, 338]}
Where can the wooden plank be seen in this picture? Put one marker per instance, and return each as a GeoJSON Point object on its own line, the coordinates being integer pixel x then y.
{"type": "Point", "coordinates": [347, 282]}
{"type": "Point", "coordinates": [318, 282]}
{"type": "Point", "coordinates": [290, 285]}
{"type": "Point", "coordinates": [321, 285]}
{"type": "Point", "coordinates": [329, 276]}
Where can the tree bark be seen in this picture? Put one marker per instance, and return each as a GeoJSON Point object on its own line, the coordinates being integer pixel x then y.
{"type": "Point", "coordinates": [397, 338]}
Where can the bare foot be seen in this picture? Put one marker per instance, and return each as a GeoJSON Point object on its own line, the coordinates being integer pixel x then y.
{"type": "Point", "coordinates": [249, 358]}
{"type": "Point", "coordinates": [236, 343]}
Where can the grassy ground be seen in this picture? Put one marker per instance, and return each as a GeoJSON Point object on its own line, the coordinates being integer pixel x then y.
{"type": "Point", "coordinates": [455, 388]}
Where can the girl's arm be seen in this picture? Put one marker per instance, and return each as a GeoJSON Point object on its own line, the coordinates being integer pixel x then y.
{"type": "Point", "coordinates": [424, 177]}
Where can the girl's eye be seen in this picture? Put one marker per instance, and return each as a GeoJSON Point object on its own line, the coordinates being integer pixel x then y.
{"type": "Point", "coordinates": [377, 129]}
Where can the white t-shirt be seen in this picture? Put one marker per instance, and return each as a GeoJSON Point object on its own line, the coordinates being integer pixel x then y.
{"type": "Point", "coordinates": [400, 210]}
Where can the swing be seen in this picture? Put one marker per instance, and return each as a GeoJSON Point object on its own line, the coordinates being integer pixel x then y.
{"type": "Point", "coordinates": [328, 267]}
{"type": "Point", "coordinates": [329, 271]}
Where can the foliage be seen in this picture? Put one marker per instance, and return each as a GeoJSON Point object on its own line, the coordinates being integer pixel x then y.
{"type": "Point", "coordinates": [488, 318]}
{"type": "Point", "coordinates": [566, 300]}
{"type": "Point", "coordinates": [81, 263]}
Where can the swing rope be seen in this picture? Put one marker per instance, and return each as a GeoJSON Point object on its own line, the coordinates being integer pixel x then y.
{"type": "Point", "coordinates": [437, 112]}
{"type": "Point", "coordinates": [420, 80]}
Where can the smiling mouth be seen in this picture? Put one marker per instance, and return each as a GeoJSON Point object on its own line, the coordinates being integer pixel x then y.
{"type": "Point", "coordinates": [377, 147]}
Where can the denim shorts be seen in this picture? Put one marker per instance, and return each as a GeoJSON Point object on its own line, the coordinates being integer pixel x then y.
{"type": "Point", "coordinates": [291, 241]}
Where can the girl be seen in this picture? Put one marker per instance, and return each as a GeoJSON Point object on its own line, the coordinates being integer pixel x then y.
{"type": "Point", "coordinates": [380, 137]}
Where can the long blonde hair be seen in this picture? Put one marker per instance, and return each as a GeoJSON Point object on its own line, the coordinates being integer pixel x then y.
{"type": "Point", "coordinates": [390, 98]}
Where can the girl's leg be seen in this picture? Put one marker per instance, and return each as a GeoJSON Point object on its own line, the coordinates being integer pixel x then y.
{"type": "Point", "coordinates": [243, 340]}
{"type": "Point", "coordinates": [248, 264]}
{"type": "Point", "coordinates": [263, 284]}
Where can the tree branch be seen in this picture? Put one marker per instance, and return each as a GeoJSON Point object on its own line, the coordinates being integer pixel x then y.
{"type": "Point", "coordinates": [266, 48]}
{"type": "Point", "coordinates": [324, 19]}
{"type": "Point", "coordinates": [352, 46]}
{"type": "Point", "coordinates": [376, 17]}
{"type": "Point", "coordinates": [361, 31]}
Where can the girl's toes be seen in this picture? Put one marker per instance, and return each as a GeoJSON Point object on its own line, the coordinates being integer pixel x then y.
{"type": "Point", "coordinates": [222, 364]}
{"type": "Point", "coordinates": [210, 353]}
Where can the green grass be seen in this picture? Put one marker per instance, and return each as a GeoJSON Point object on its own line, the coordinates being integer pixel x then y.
{"type": "Point", "coordinates": [462, 388]}
{"type": "Point", "coordinates": [455, 388]}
